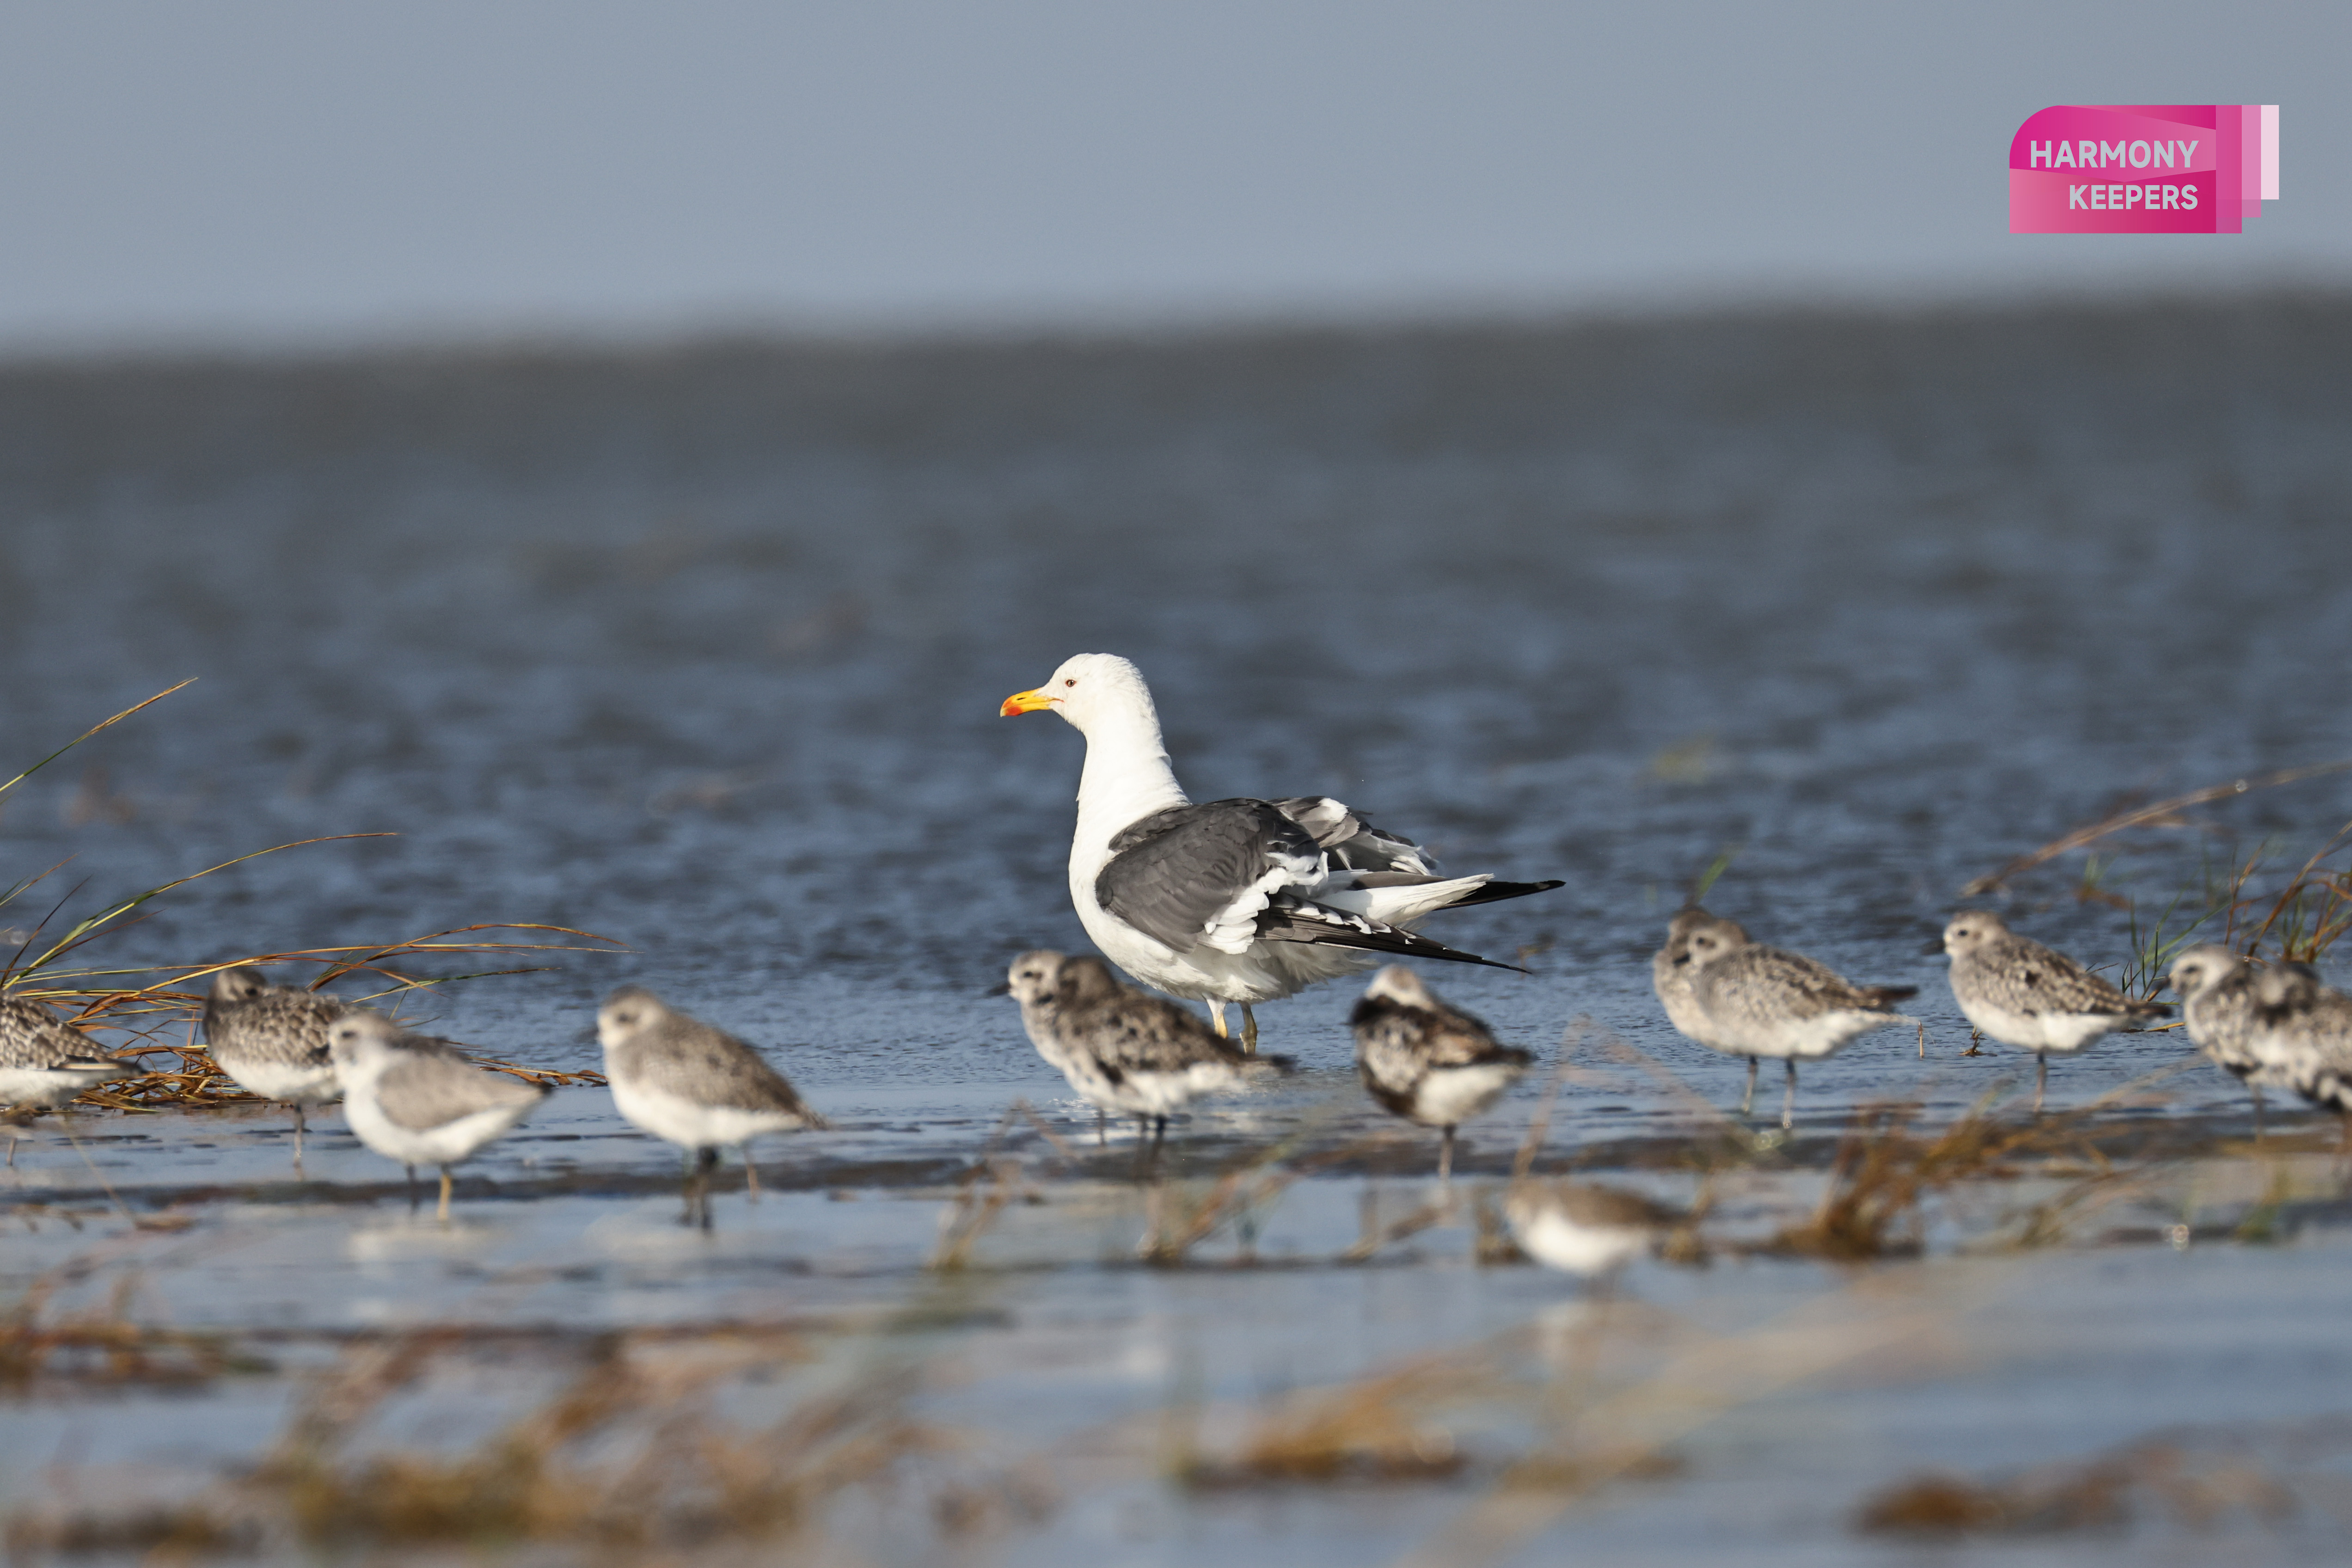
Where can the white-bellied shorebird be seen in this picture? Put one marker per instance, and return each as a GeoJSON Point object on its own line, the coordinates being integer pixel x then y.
{"type": "Point", "coordinates": [2018, 992]}
{"type": "Point", "coordinates": [1422, 1059]}
{"type": "Point", "coordinates": [411, 1099]}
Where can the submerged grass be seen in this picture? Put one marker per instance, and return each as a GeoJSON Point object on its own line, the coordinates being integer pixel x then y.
{"type": "Point", "coordinates": [149, 1002]}
{"type": "Point", "coordinates": [2199, 1480]}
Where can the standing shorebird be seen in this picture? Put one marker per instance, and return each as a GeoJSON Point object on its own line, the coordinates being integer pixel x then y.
{"type": "Point", "coordinates": [1231, 900]}
{"type": "Point", "coordinates": [1584, 1228]}
{"type": "Point", "coordinates": [1422, 1059]}
{"type": "Point", "coordinates": [272, 1041]}
{"type": "Point", "coordinates": [2303, 1030]}
{"type": "Point", "coordinates": [1125, 1053]}
{"type": "Point", "coordinates": [1764, 1001]}
{"type": "Point", "coordinates": [2216, 988]}
{"type": "Point", "coordinates": [411, 1099]}
{"type": "Point", "coordinates": [44, 1062]}
{"type": "Point", "coordinates": [694, 1086]}
{"type": "Point", "coordinates": [1672, 969]}
{"type": "Point", "coordinates": [2022, 993]}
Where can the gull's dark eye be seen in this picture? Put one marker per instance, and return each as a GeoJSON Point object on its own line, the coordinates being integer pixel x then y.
{"type": "Point", "coordinates": [1072, 680]}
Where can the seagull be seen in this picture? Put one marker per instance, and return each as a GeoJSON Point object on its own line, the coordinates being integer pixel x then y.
{"type": "Point", "coordinates": [2216, 988]}
{"type": "Point", "coordinates": [410, 1098]}
{"type": "Point", "coordinates": [2022, 993]}
{"type": "Point", "coordinates": [1231, 900]}
{"type": "Point", "coordinates": [272, 1041]}
{"type": "Point", "coordinates": [1584, 1228]}
{"type": "Point", "coordinates": [692, 1085]}
{"type": "Point", "coordinates": [1767, 1001]}
{"type": "Point", "coordinates": [1422, 1059]}
{"type": "Point", "coordinates": [45, 1062]}
{"type": "Point", "coordinates": [1125, 1053]}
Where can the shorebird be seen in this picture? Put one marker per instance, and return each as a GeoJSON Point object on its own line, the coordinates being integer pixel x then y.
{"type": "Point", "coordinates": [1422, 1059]}
{"type": "Point", "coordinates": [2303, 1029]}
{"type": "Point", "coordinates": [1584, 1228]}
{"type": "Point", "coordinates": [1671, 972]}
{"type": "Point", "coordinates": [694, 1086]}
{"type": "Point", "coordinates": [44, 1061]}
{"type": "Point", "coordinates": [1123, 1052]}
{"type": "Point", "coordinates": [2018, 992]}
{"type": "Point", "coordinates": [1231, 900]}
{"type": "Point", "coordinates": [1764, 1001]}
{"type": "Point", "coordinates": [411, 1099]}
{"type": "Point", "coordinates": [2216, 988]}
{"type": "Point", "coordinates": [272, 1041]}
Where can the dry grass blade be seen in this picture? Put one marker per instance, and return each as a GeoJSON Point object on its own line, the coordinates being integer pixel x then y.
{"type": "Point", "coordinates": [2141, 816]}
{"type": "Point", "coordinates": [94, 729]}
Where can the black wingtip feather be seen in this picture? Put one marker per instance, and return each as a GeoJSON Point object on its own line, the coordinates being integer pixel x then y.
{"type": "Point", "coordinates": [1496, 892]}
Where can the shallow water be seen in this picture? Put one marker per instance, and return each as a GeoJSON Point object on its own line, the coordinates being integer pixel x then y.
{"type": "Point", "coordinates": [700, 649]}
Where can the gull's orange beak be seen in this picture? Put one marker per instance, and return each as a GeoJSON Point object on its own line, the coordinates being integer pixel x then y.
{"type": "Point", "coordinates": [1024, 703]}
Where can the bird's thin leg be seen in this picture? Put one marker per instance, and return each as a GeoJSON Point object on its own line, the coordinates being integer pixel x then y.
{"type": "Point", "coordinates": [1249, 1031]}
{"type": "Point", "coordinates": [1788, 1104]}
{"type": "Point", "coordinates": [301, 1123]}
{"type": "Point", "coordinates": [412, 1187]}
{"type": "Point", "coordinates": [1217, 1019]}
{"type": "Point", "coordinates": [1444, 1155]}
{"type": "Point", "coordinates": [1102, 1128]}
{"type": "Point", "coordinates": [443, 1212]}
{"type": "Point", "coordinates": [750, 1172]}
{"type": "Point", "coordinates": [2041, 1078]}
{"type": "Point", "coordinates": [1159, 1134]}
{"type": "Point", "coordinates": [2258, 1115]}
{"type": "Point", "coordinates": [1747, 1100]}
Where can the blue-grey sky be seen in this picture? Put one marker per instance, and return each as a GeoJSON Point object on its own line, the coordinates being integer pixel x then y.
{"type": "Point", "coordinates": [330, 170]}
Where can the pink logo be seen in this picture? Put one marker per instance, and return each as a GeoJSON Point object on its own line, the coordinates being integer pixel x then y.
{"type": "Point", "coordinates": [2143, 168]}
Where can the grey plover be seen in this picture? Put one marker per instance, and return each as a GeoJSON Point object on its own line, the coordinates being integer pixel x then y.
{"type": "Point", "coordinates": [272, 1041]}
{"type": "Point", "coordinates": [2018, 992]}
{"type": "Point", "coordinates": [1671, 972]}
{"type": "Point", "coordinates": [695, 1086]}
{"type": "Point", "coordinates": [1584, 1228]}
{"type": "Point", "coordinates": [411, 1099]}
{"type": "Point", "coordinates": [1422, 1059]}
{"type": "Point", "coordinates": [44, 1061]}
{"type": "Point", "coordinates": [2303, 1029]}
{"type": "Point", "coordinates": [1764, 1001]}
{"type": "Point", "coordinates": [2216, 988]}
{"type": "Point", "coordinates": [1123, 1052]}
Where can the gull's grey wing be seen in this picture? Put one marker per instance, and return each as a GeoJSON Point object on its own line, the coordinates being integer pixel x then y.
{"type": "Point", "coordinates": [1172, 874]}
{"type": "Point", "coordinates": [1351, 841]}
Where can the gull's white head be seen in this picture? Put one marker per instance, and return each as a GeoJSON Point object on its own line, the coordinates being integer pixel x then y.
{"type": "Point", "coordinates": [1088, 688]}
